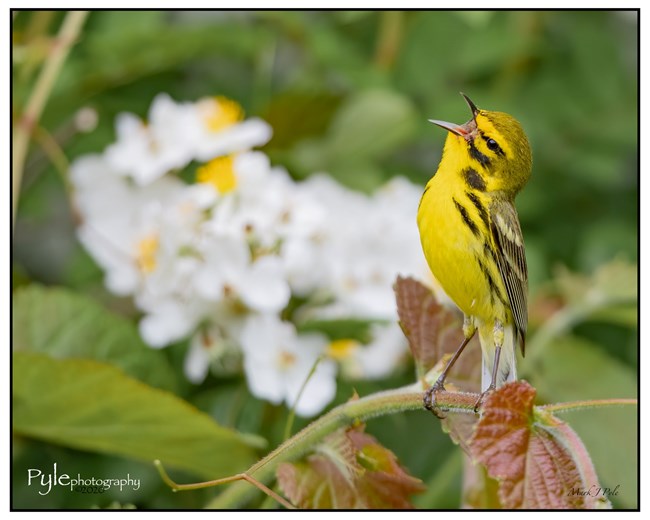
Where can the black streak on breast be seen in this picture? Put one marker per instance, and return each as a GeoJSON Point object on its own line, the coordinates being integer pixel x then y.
{"type": "Point", "coordinates": [474, 179]}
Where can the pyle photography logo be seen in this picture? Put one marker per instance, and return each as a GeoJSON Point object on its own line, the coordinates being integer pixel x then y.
{"type": "Point", "coordinates": [44, 482]}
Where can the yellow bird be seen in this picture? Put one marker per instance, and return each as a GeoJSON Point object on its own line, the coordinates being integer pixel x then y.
{"type": "Point", "coordinates": [472, 240]}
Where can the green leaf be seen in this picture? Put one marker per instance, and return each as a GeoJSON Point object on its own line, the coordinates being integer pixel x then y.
{"type": "Point", "coordinates": [624, 315]}
{"type": "Point", "coordinates": [573, 368]}
{"type": "Point", "coordinates": [367, 127]}
{"type": "Point", "coordinates": [89, 405]}
{"type": "Point", "coordinates": [64, 324]}
{"type": "Point", "coordinates": [371, 124]}
{"type": "Point", "coordinates": [286, 115]}
{"type": "Point", "coordinates": [611, 437]}
{"type": "Point", "coordinates": [442, 488]}
{"type": "Point", "coordinates": [612, 283]}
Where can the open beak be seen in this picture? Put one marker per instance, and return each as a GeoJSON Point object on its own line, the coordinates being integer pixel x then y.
{"type": "Point", "coordinates": [471, 106]}
{"type": "Point", "coordinates": [465, 130]}
{"type": "Point", "coordinates": [460, 130]}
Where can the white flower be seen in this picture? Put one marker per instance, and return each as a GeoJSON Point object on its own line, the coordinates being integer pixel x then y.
{"type": "Point", "coordinates": [219, 129]}
{"type": "Point", "coordinates": [368, 241]}
{"type": "Point", "coordinates": [215, 346]}
{"type": "Point", "coordinates": [218, 261]}
{"type": "Point", "coordinates": [145, 239]}
{"type": "Point", "coordinates": [277, 362]}
{"type": "Point", "coordinates": [197, 360]}
{"type": "Point", "coordinates": [228, 270]}
{"type": "Point", "coordinates": [115, 226]}
{"type": "Point", "coordinates": [259, 200]}
{"type": "Point", "coordinates": [177, 133]}
{"type": "Point", "coordinates": [170, 320]}
{"type": "Point", "coordinates": [147, 151]}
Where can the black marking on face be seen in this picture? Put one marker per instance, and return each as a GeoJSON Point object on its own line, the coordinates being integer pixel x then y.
{"type": "Point", "coordinates": [474, 152]}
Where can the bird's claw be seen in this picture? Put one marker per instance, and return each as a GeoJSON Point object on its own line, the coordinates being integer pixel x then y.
{"type": "Point", "coordinates": [430, 399]}
{"type": "Point", "coordinates": [479, 401]}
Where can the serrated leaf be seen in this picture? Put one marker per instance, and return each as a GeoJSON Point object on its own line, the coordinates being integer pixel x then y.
{"type": "Point", "coordinates": [88, 405]}
{"type": "Point", "coordinates": [539, 461]}
{"type": "Point", "coordinates": [433, 331]}
{"type": "Point", "coordinates": [349, 470]}
{"type": "Point", "coordinates": [573, 368]}
{"type": "Point", "coordinates": [64, 324]}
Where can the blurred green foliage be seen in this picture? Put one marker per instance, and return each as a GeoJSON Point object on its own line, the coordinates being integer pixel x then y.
{"type": "Point", "coordinates": [350, 93]}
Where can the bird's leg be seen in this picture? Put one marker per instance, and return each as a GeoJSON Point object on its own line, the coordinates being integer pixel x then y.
{"type": "Point", "coordinates": [498, 343]}
{"type": "Point", "coordinates": [469, 329]}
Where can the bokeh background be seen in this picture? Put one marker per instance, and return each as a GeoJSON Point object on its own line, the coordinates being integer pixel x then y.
{"type": "Point", "coordinates": [349, 93]}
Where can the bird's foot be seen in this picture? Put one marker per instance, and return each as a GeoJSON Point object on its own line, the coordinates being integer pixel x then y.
{"type": "Point", "coordinates": [481, 397]}
{"type": "Point", "coordinates": [430, 399]}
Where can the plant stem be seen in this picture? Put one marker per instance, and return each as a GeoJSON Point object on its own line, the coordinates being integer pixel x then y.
{"type": "Point", "coordinates": [391, 30]}
{"type": "Point", "coordinates": [210, 483]}
{"type": "Point", "coordinates": [55, 155]}
{"type": "Point", "coordinates": [382, 403]}
{"type": "Point", "coordinates": [34, 108]}
{"type": "Point", "coordinates": [582, 405]}
{"type": "Point", "coordinates": [292, 412]}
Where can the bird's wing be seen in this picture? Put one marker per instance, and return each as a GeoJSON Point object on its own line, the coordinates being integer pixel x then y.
{"type": "Point", "coordinates": [511, 260]}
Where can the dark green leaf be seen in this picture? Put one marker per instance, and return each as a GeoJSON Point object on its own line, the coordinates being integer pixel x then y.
{"type": "Point", "coordinates": [89, 405]}
{"type": "Point", "coordinates": [64, 324]}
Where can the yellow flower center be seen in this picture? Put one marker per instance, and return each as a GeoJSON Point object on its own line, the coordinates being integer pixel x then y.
{"type": "Point", "coordinates": [220, 173]}
{"type": "Point", "coordinates": [146, 256]}
{"type": "Point", "coordinates": [223, 113]}
{"type": "Point", "coordinates": [286, 360]}
{"type": "Point", "coordinates": [342, 348]}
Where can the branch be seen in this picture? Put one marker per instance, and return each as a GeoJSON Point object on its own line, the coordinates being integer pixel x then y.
{"type": "Point", "coordinates": [582, 405]}
{"type": "Point", "coordinates": [381, 403]}
{"type": "Point", "coordinates": [263, 472]}
{"type": "Point", "coordinates": [210, 483]}
{"type": "Point", "coordinates": [33, 109]}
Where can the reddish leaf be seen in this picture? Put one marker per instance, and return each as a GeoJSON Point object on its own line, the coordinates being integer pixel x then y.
{"type": "Point", "coordinates": [349, 470]}
{"type": "Point", "coordinates": [538, 460]}
{"type": "Point", "coordinates": [433, 330]}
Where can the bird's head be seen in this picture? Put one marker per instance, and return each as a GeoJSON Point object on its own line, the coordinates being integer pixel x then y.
{"type": "Point", "coordinates": [494, 145]}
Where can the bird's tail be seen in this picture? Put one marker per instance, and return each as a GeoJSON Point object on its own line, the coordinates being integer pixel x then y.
{"type": "Point", "coordinates": [507, 360]}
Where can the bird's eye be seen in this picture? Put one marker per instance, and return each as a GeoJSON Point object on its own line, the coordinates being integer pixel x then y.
{"type": "Point", "coordinates": [492, 145]}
